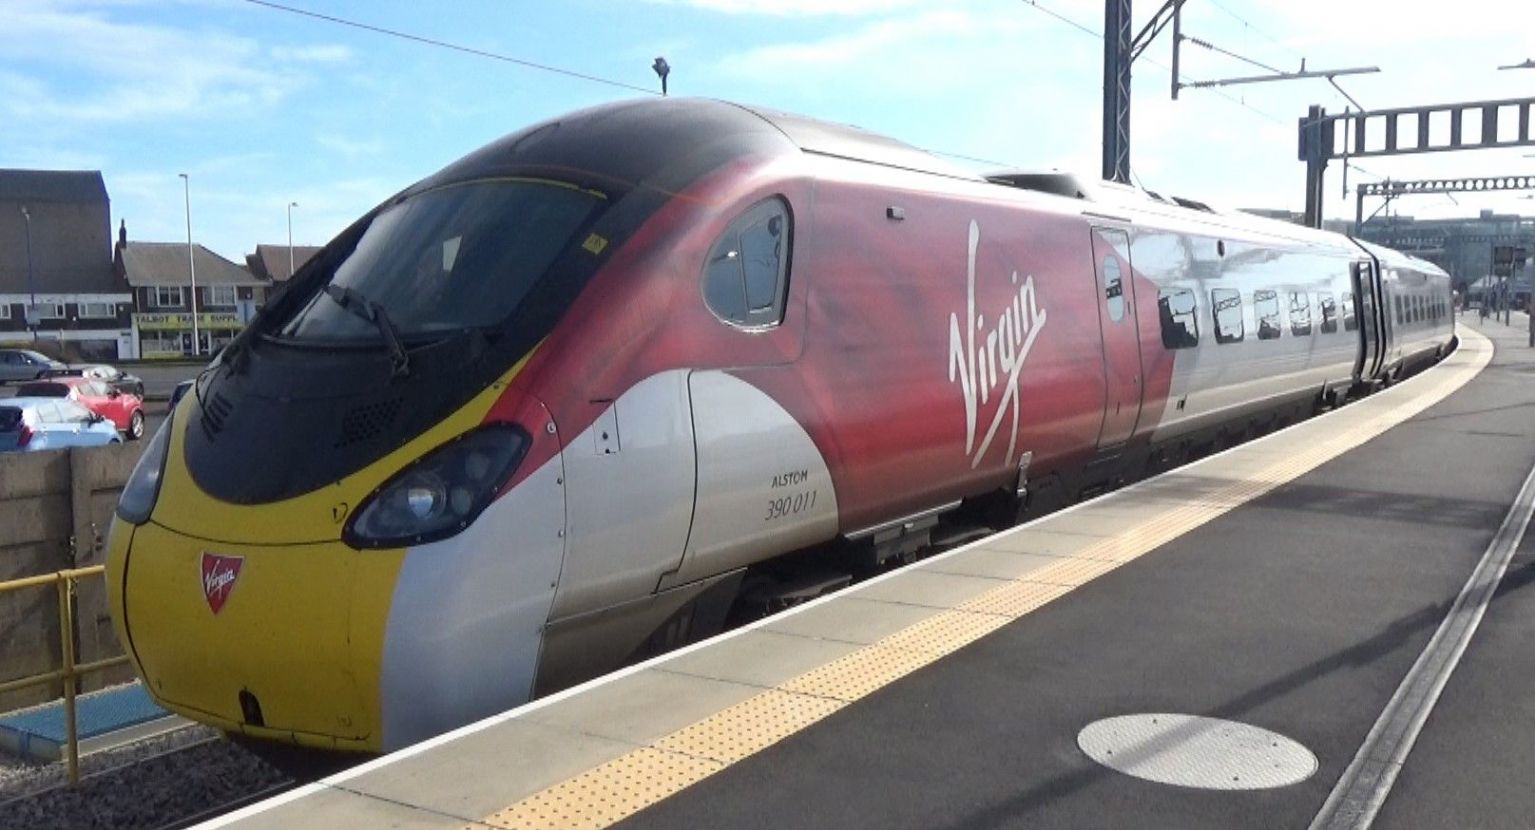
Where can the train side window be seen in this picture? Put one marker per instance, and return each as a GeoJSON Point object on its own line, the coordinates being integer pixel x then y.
{"type": "Point", "coordinates": [1266, 309]}
{"type": "Point", "coordinates": [1180, 319]}
{"type": "Point", "coordinates": [1113, 288]}
{"type": "Point", "coordinates": [1300, 313]}
{"type": "Point", "coordinates": [746, 278]}
{"type": "Point", "coordinates": [1350, 314]}
{"type": "Point", "coordinates": [1226, 309]}
{"type": "Point", "coordinates": [1328, 309]}
{"type": "Point", "coordinates": [1396, 305]}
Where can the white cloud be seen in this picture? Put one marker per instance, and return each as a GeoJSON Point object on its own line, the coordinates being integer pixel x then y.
{"type": "Point", "coordinates": [104, 70]}
{"type": "Point", "coordinates": [348, 147]}
{"type": "Point", "coordinates": [324, 54]}
{"type": "Point", "coordinates": [796, 8]}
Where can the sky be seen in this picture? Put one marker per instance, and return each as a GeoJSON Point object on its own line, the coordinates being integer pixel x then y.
{"type": "Point", "coordinates": [262, 107]}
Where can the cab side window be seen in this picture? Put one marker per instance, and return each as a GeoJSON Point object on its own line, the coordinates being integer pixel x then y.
{"type": "Point", "coordinates": [747, 274]}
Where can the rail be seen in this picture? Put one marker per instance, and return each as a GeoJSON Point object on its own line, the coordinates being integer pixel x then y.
{"type": "Point", "coordinates": [68, 672]}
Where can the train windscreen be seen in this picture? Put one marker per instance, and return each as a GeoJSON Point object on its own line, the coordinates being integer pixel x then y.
{"type": "Point", "coordinates": [445, 260]}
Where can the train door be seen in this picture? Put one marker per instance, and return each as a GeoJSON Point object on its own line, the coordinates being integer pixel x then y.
{"type": "Point", "coordinates": [1121, 336]}
{"type": "Point", "coordinates": [1366, 304]}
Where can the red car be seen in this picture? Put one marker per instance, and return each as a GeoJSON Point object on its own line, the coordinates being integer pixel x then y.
{"type": "Point", "coordinates": [124, 410]}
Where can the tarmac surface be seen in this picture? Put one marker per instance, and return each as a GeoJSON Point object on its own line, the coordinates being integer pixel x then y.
{"type": "Point", "coordinates": [1300, 613]}
{"type": "Point", "coordinates": [1296, 585]}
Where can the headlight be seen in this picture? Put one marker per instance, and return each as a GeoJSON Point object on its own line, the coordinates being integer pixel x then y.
{"type": "Point", "coordinates": [440, 494]}
{"type": "Point", "coordinates": [143, 487]}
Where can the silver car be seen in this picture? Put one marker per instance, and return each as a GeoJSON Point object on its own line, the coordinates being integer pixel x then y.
{"type": "Point", "coordinates": [25, 364]}
{"type": "Point", "coordinates": [34, 424]}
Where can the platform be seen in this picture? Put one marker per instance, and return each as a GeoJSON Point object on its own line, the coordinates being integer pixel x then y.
{"type": "Point", "coordinates": [1311, 629]}
{"type": "Point", "coordinates": [104, 719]}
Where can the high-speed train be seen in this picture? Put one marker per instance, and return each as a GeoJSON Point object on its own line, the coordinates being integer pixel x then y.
{"type": "Point", "coordinates": [568, 401]}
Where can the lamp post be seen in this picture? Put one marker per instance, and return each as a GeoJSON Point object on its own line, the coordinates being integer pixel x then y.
{"type": "Point", "coordinates": [31, 315]}
{"type": "Point", "coordinates": [663, 69]}
{"type": "Point", "coordinates": [191, 264]}
{"type": "Point", "coordinates": [291, 206]}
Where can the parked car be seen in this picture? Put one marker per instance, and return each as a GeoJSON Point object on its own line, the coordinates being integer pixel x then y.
{"type": "Point", "coordinates": [31, 424]}
{"type": "Point", "coordinates": [178, 393]}
{"type": "Point", "coordinates": [25, 364]}
{"type": "Point", "coordinates": [125, 411]}
{"type": "Point", "coordinates": [120, 380]}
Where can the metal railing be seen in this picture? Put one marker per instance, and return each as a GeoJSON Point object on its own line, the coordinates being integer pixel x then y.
{"type": "Point", "coordinates": [64, 582]}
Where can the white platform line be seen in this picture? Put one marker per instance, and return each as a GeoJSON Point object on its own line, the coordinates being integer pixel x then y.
{"type": "Point", "coordinates": [1363, 787]}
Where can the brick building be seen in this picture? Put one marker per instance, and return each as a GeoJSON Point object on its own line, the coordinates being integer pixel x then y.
{"type": "Point", "coordinates": [55, 249]}
{"type": "Point", "coordinates": [160, 278]}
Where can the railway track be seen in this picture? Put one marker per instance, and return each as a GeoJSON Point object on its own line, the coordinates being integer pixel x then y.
{"type": "Point", "coordinates": [169, 782]}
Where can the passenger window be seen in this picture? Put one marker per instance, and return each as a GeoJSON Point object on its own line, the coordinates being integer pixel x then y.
{"type": "Point", "coordinates": [1300, 313]}
{"type": "Point", "coordinates": [1396, 305]}
{"type": "Point", "coordinates": [1113, 288]}
{"type": "Point", "coordinates": [1266, 309]}
{"type": "Point", "coordinates": [746, 278]}
{"type": "Point", "coordinates": [1329, 311]}
{"type": "Point", "coordinates": [1350, 316]}
{"type": "Point", "coordinates": [1226, 307]}
{"type": "Point", "coordinates": [1180, 320]}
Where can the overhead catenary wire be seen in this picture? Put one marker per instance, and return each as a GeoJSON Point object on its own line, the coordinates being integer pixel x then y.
{"type": "Point", "coordinates": [443, 44]}
{"type": "Point", "coordinates": [1162, 66]}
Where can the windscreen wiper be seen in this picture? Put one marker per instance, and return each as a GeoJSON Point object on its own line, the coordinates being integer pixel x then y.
{"type": "Point", "coordinates": [354, 301]}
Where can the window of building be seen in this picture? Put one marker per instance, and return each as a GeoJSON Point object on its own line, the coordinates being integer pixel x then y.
{"type": "Point", "coordinates": [97, 310]}
{"type": "Point", "coordinates": [1266, 310]}
{"type": "Point", "coordinates": [1328, 309]}
{"type": "Point", "coordinates": [5, 311]}
{"type": "Point", "coordinates": [50, 311]}
{"type": "Point", "coordinates": [1226, 309]}
{"type": "Point", "coordinates": [1113, 288]}
{"type": "Point", "coordinates": [220, 295]}
{"type": "Point", "coordinates": [747, 276]}
{"type": "Point", "coordinates": [1300, 313]}
{"type": "Point", "coordinates": [1180, 318]}
{"type": "Point", "coordinates": [1350, 314]}
{"type": "Point", "coordinates": [166, 296]}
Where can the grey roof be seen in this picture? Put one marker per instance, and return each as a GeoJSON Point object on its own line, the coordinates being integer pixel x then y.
{"type": "Point", "coordinates": [52, 186]}
{"type": "Point", "coordinates": [271, 261]}
{"type": "Point", "coordinates": [165, 263]}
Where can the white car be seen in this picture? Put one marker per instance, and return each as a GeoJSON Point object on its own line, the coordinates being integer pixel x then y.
{"type": "Point", "coordinates": [35, 424]}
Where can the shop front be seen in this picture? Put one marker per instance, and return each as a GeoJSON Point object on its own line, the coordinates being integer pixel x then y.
{"type": "Point", "coordinates": [170, 335]}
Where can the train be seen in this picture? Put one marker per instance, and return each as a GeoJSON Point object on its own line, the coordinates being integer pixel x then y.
{"type": "Point", "coordinates": [589, 391]}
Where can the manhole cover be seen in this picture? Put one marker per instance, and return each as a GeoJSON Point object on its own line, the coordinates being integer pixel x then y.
{"type": "Point", "coordinates": [1191, 751]}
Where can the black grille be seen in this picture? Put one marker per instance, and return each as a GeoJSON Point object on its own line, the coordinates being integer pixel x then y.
{"type": "Point", "coordinates": [364, 422]}
{"type": "Point", "coordinates": [215, 414]}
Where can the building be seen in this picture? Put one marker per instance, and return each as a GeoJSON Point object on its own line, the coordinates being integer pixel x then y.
{"type": "Point", "coordinates": [1462, 246]}
{"type": "Point", "coordinates": [228, 296]}
{"type": "Point", "coordinates": [55, 247]}
{"type": "Point", "coordinates": [272, 262]}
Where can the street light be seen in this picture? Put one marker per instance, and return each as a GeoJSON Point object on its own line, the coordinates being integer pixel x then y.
{"type": "Point", "coordinates": [191, 264]}
{"type": "Point", "coordinates": [291, 206]}
{"type": "Point", "coordinates": [31, 315]}
{"type": "Point", "coordinates": [663, 69]}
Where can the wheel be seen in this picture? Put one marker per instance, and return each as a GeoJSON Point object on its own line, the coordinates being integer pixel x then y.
{"type": "Point", "coordinates": [136, 426]}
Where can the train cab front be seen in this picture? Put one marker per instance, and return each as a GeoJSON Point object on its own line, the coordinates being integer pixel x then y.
{"type": "Point", "coordinates": [349, 535]}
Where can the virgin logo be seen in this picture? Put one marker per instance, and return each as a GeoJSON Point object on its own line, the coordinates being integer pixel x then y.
{"type": "Point", "coordinates": [986, 360]}
{"type": "Point", "coordinates": [219, 575]}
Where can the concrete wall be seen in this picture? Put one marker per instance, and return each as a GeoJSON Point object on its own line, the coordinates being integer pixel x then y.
{"type": "Point", "coordinates": [55, 508]}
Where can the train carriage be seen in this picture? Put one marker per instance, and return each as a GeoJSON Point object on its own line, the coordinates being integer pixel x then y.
{"type": "Point", "coordinates": [578, 395]}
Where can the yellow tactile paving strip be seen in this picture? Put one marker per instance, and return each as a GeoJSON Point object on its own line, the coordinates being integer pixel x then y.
{"type": "Point", "coordinates": [615, 790]}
